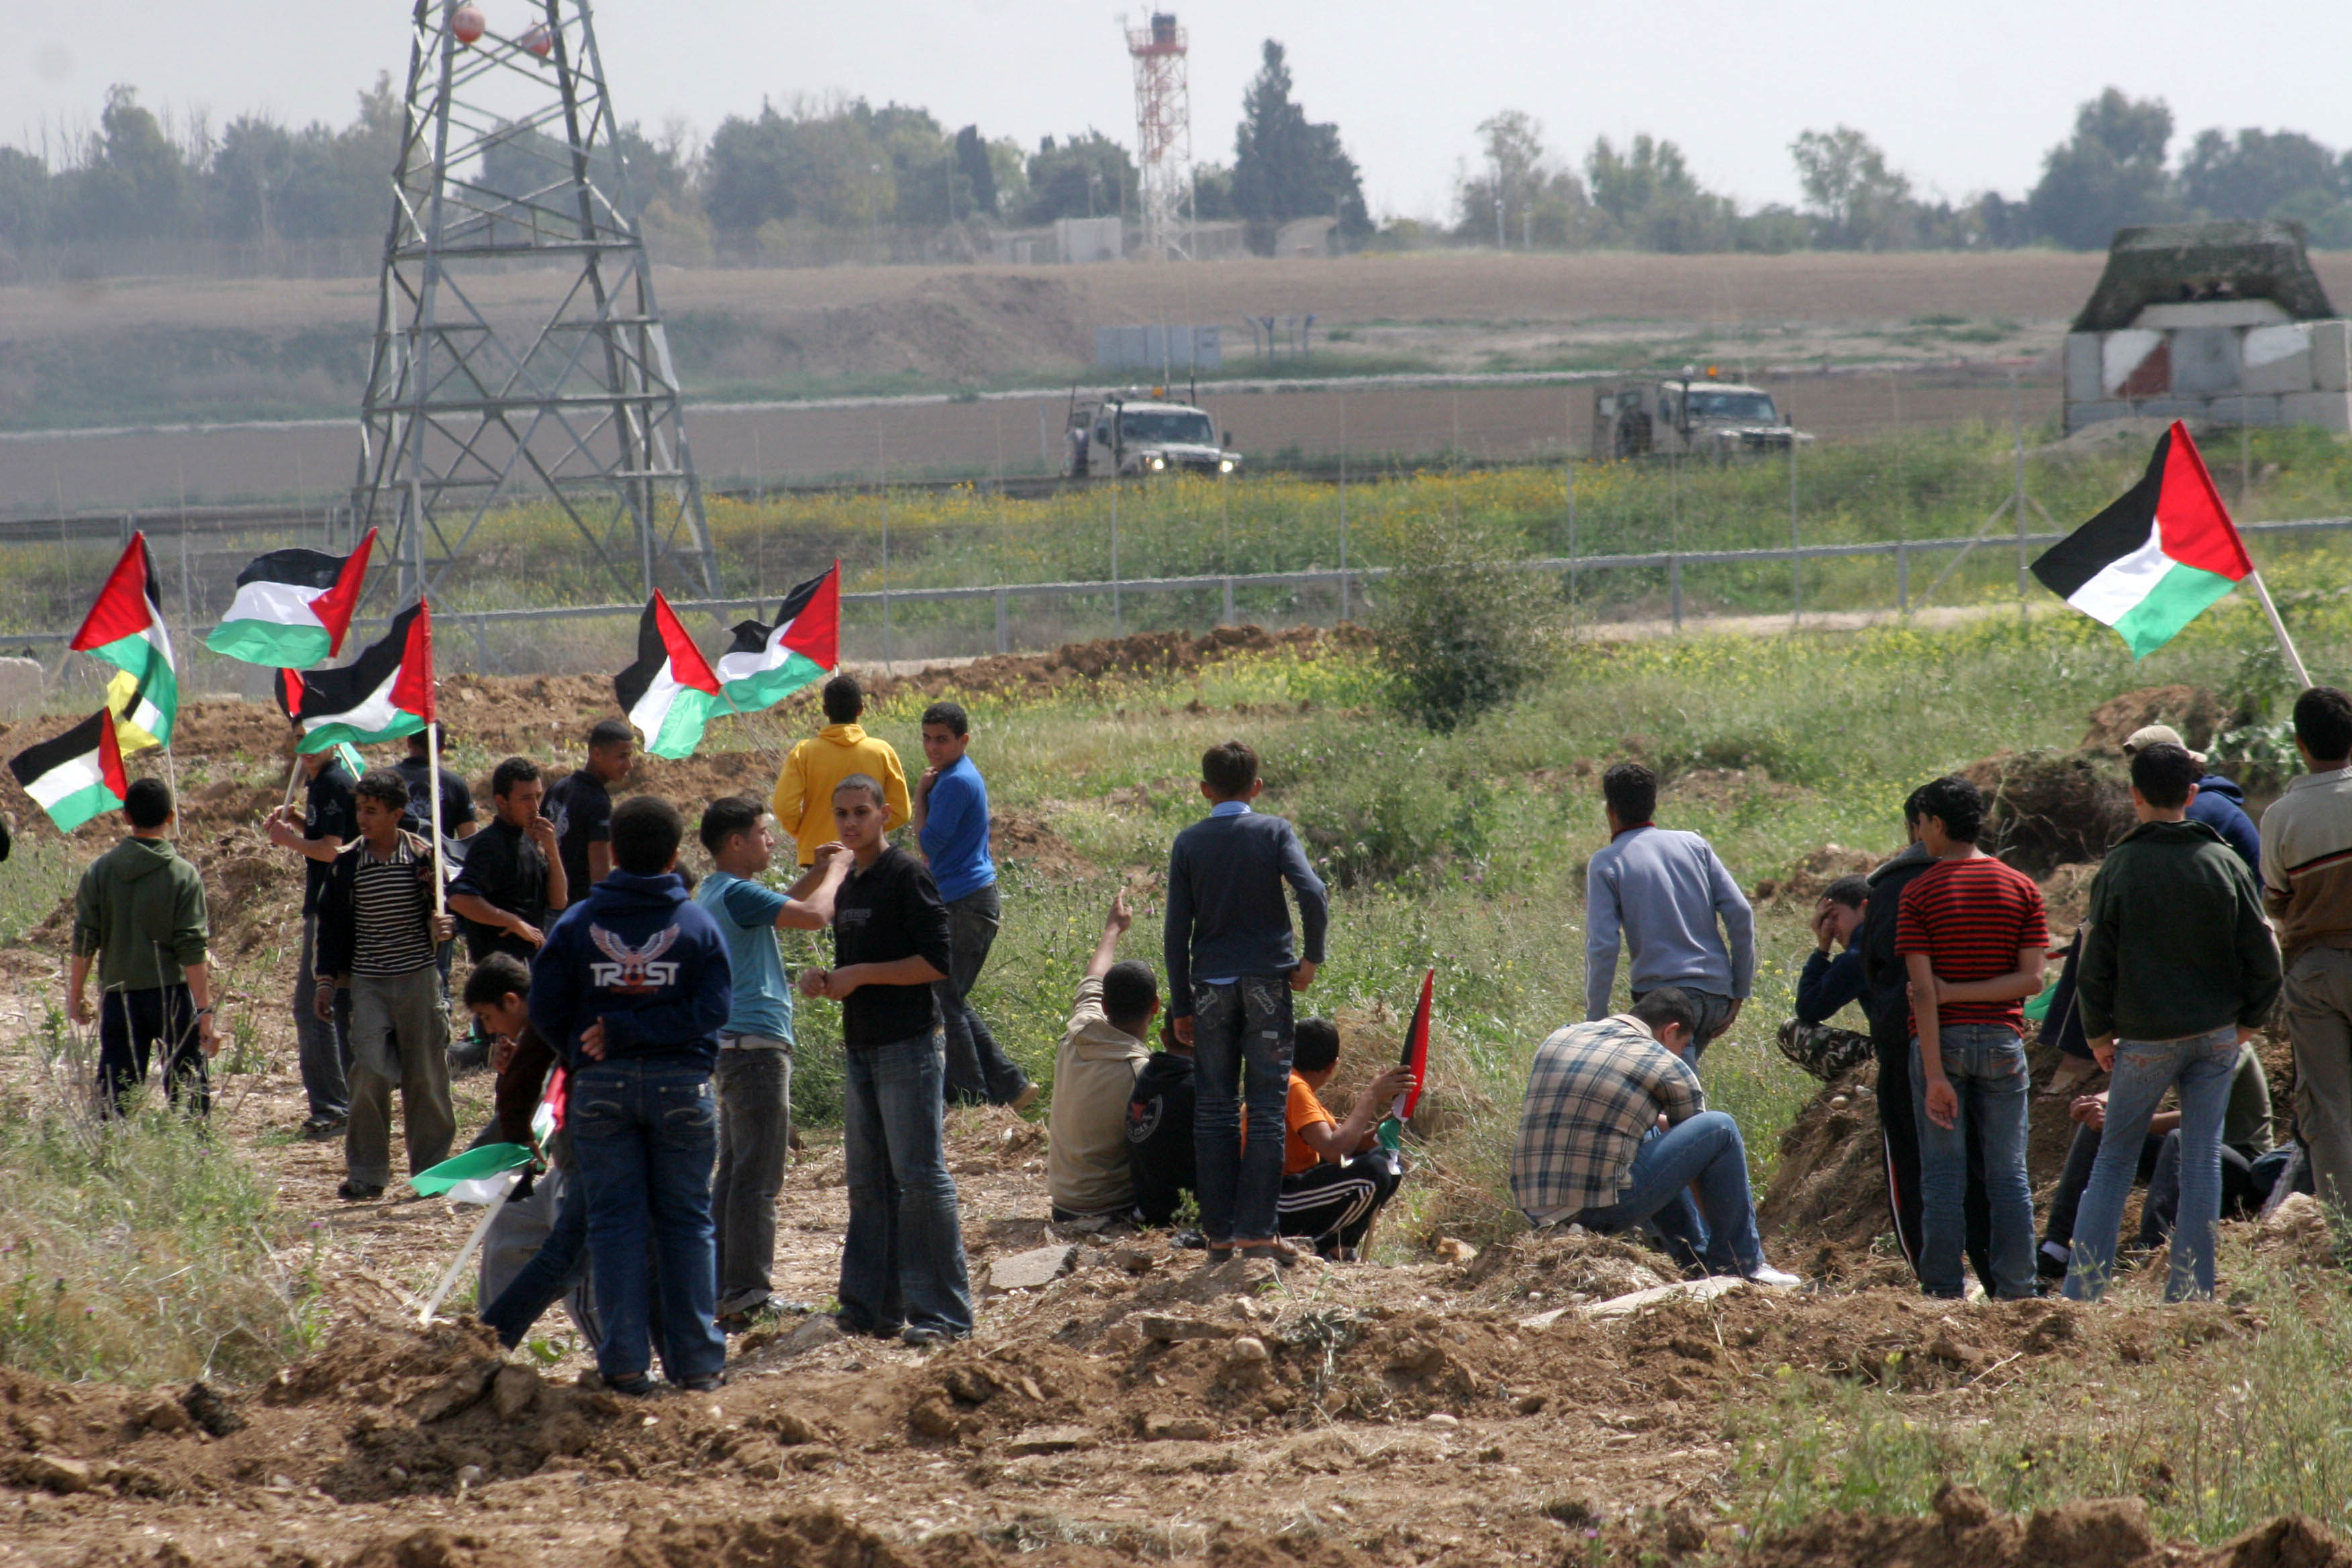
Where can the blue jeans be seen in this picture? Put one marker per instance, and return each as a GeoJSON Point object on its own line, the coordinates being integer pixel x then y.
{"type": "Point", "coordinates": [1705, 1150]}
{"type": "Point", "coordinates": [1241, 1035]}
{"type": "Point", "coordinates": [978, 1071]}
{"type": "Point", "coordinates": [2202, 1065]}
{"type": "Point", "coordinates": [644, 1134]}
{"type": "Point", "coordinates": [325, 1048]}
{"type": "Point", "coordinates": [902, 1258]}
{"type": "Point", "coordinates": [1986, 1065]}
{"type": "Point", "coordinates": [554, 1271]}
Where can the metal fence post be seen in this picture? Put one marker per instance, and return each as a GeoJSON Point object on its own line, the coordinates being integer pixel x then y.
{"type": "Point", "coordinates": [1674, 578]}
{"type": "Point", "coordinates": [1903, 576]}
{"type": "Point", "coordinates": [481, 646]}
{"type": "Point", "coordinates": [1229, 603]}
{"type": "Point", "coordinates": [1004, 632]}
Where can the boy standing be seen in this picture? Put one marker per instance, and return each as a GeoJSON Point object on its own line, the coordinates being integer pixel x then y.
{"type": "Point", "coordinates": [1971, 933]}
{"type": "Point", "coordinates": [815, 769]}
{"type": "Point", "coordinates": [1230, 970]}
{"type": "Point", "coordinates": [951, 825]}
{"type": "Point", "coordinates": [513, 878]}
{"type": "Point", "coordinates": [1094, 1067]}
{"type": "Point", "coordinates": [2179, 971]}
{"type": "Point", "coordinates": [902, 1269]}
{"type": "Point", "coordinates": [140, 912]}
{"type": "Point", "coordinates": [1333, 1186]}
{"type": "Point", "coordinates": [755, 1046]}
{"type": "Point", "coordinates": [415, 771]}
{"type": "Point", "coordinates": [2307, 888]}
{"type": "Point", "coordinates": [631, 987]}
{"type": "Point", "coordinates": [581, 806]}
{"type": "Point", "coordinates": [1663, 892]}
{"type": "Point", "coordinates": [377, 937]}
{"type": "Point", "coordinates": [327, 823]}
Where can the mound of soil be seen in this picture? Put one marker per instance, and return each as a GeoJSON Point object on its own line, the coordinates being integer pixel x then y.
{"type": "Point", "coordinates": [1965, 1531]}
{"type": "Point", "coordinates": [1829, 1186]}
{"type": "Point", "coordinates": [2195, 713]}
{"type": "Point", "coordinates": [1531, 1273]}
{"type": "Point", "coordinates": [1814, 872]}
{"type": "Point", "coordinates": [2046, 808]}
{"type": "Point", "coordinates": [1145, 653]}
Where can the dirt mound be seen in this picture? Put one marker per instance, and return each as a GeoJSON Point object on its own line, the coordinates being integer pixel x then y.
{"type": "Point", "coordinates": [2195, 713]}
{"type": "Point", "coordinates": [436, 1548]}
{"type": "Point", "coordinates": [1028, 837]}
{"type": "Point", "coordinates": [1965, 1531]}
{"type": "Point", "coordinates": [1828, 1186]}
{"type": "Point", "coordinates": [1814, 872]}
{"type": "Point", "coordinates": [801, 1537]}
{"type": "Point", "coordinates": [2046, 808]}
{"type": "Point", "coordinates": [2298, 1232]}
{"type": "Point", "coordinates": [1535, 1272]}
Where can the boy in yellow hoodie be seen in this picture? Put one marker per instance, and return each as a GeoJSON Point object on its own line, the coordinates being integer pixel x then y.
{"type": "Point", "coordinates": [804, 798]}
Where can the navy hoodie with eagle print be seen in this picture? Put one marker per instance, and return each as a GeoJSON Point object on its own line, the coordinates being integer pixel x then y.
{"type": "Point", "coordinates": [644, 958]}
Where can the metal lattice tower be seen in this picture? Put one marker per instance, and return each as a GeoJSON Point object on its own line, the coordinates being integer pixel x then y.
{"type": "Point", "coordinates": [480, 392]}
{"type": "Point", "coordinates": [1163, 135]}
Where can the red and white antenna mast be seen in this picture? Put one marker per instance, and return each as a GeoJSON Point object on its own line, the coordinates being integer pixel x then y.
{"type": "Point", "coordinates": [1163, 135]}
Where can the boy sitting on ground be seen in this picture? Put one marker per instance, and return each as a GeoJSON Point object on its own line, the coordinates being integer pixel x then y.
{"type": "Point", "coordinates": [1095, 1069]}
{"type": "Point", "coordinates": [1160, 1153]}
{"type": "Point", "coordinates": [1830, 981]}
{"type": "Point", "coordinates": [1333, 1185]}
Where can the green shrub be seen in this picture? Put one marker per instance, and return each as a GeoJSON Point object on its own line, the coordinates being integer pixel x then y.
{"type": "Point", "coordinates": [1459, 635]}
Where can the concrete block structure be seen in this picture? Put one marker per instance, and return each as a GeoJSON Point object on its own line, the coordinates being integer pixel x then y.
{"type": "Point", "coordinates": [2220, 322]}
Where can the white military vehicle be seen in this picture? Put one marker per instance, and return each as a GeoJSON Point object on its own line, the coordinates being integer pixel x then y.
{"type": "Point", "coordinates": [1143, 431]}
{"type": "Point", "coordinates": [1689, 413]}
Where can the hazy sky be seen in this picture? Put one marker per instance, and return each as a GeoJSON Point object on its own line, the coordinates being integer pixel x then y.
{"type": "Point", "coordinates": [1963, 97]}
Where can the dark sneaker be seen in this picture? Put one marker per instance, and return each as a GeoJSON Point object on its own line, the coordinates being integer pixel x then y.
{"type": "Point", "coordinates": [322, 1129]}
{"type": "Point", "coordinates": [636, 1385]}
{"type": "Point", "coordinates": [353, 1191]}
{"type": "Point", "coordinates": [710, 1384]}
{"type": "Point", "coordinates": [923, 1338]}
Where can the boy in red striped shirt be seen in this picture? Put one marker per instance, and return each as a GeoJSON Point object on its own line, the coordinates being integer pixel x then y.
{"type": "Point", "coordinates": [1972, 933]}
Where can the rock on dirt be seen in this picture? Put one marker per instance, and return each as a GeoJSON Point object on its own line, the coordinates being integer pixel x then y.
{"type": "Point", "coordinates": [1032, 1269]}
{"type": "Point", "coordinates": [1050, 1440]}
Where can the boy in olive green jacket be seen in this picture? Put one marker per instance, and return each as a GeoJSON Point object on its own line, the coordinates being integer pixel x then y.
{"type": "Point", "coordinates": [140, 913]}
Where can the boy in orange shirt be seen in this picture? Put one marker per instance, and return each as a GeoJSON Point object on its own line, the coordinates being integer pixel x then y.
{"type": "Point", "coordinates": [1329, 1194]}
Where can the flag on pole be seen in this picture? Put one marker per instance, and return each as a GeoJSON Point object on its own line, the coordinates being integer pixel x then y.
{"type": "Point", "coordinates": [765, 664]}
{"type": "Point", "coordinates": [125, 628]}
{"type": "Point", "coordinates": [477, 1176]}
{"type": "Point", "coordinates": [670, 692]}
{"type": "Point", "coordinates": [78, 774]}
{"type": "Point", "coordinates": [384, 693]}
{"type": "Point", "coordinates": [292, 608]}
{"type": "Point", "coordinates": [1416, 1050]}
{"type": "Point", "coordinates": [2157, 557]}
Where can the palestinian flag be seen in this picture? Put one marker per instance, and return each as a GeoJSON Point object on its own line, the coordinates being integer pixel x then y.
{"type": "Point", "coordinates": [670, 692]}
{"type": "Point", "coordinates": [292, 608]}
{"type": "Point", "coordinates": [387, 692]}
{"type": "Point", "coordinates": [2153, 560]}
{"type": "Point", "coordinates": [764, 665]}
{"type": "Point", "coordinates": [1416, 1050]}
{"type": "Point", "coordinates": [76, 777]}
{"type": "Point", "coordinates": [125, 628]}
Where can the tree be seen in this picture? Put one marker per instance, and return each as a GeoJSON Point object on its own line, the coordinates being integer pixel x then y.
{"type": "Point", "coordinates": [978, 173]}
{"type": "Point", "coordinates": [2110, 173]}
{"type": "Point", "coordinates": [1861, 204]}
{"type": "Point", "coordinates": [23, 198]}
{"type": "Point", "coordinates": [136, 181]}
{"type": "Point", "coordinates": [1081, 176]}
{"type": "Point", "coordinates": [1652, 202]}
{"type": "Point", "coordinates": [1286, 167]}
{"type": "Point", "coordinates": [1517, 193]}
{"type": "Point", "coordinates": [2254, 175]}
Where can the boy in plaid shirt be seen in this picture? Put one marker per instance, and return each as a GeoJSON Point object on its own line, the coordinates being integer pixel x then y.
{"type": "Point", "coordinates": [1616, 1132]}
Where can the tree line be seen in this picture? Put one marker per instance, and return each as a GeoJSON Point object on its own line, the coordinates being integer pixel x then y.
{"type": "Point", "coordinates": [842, 179]}
{"type": "Point", "coordinates": [2115, 169]}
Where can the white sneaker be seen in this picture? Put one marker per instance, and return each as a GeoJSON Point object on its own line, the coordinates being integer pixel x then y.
{"type": "Point", "coordinates": [1766, 1274]}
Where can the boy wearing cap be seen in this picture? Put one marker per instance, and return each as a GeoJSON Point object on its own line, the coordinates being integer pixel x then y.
{"type": "Point", "coordinates": [2218, 803]}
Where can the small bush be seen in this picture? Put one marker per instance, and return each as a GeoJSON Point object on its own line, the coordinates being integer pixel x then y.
{"type": "Point", "coordinates": [1459, 635]}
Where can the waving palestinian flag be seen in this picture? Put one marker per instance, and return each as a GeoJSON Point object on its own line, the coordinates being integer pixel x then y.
{"type": "Point", "coordinates": [671, 691]}
{"type": "Point", "coordinates": [384, 693]}
{"type": "Point", "coordinates": [766, 663]}
{"type": "Point", "coordinates": [2156, 558]}
{"type": "Point", "coordinates": [1416, 1050]}
{"type": "Point", "coordinates": [77, 776]}
{"type": "Point", "coordinates": [292, 608]}
{"type": "Point", "coordinates": [125, 628]}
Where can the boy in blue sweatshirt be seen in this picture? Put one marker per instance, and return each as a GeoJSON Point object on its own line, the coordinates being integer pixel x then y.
{"type": "Point", "coordinates": [1231, 972]}
{"type": "Point", "coordinates": [631, 987]}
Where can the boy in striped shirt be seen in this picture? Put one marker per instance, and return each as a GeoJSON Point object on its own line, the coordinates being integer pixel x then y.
{"type": "Point", "coordinates": [1971, 933]}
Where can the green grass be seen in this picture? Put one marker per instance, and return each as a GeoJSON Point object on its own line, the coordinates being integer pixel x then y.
{"type": "Point", "coordinates": [2218, 1434]}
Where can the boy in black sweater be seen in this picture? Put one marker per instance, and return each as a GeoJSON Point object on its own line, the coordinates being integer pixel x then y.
{"type": "Point", "coordinates": [1231, 968]}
